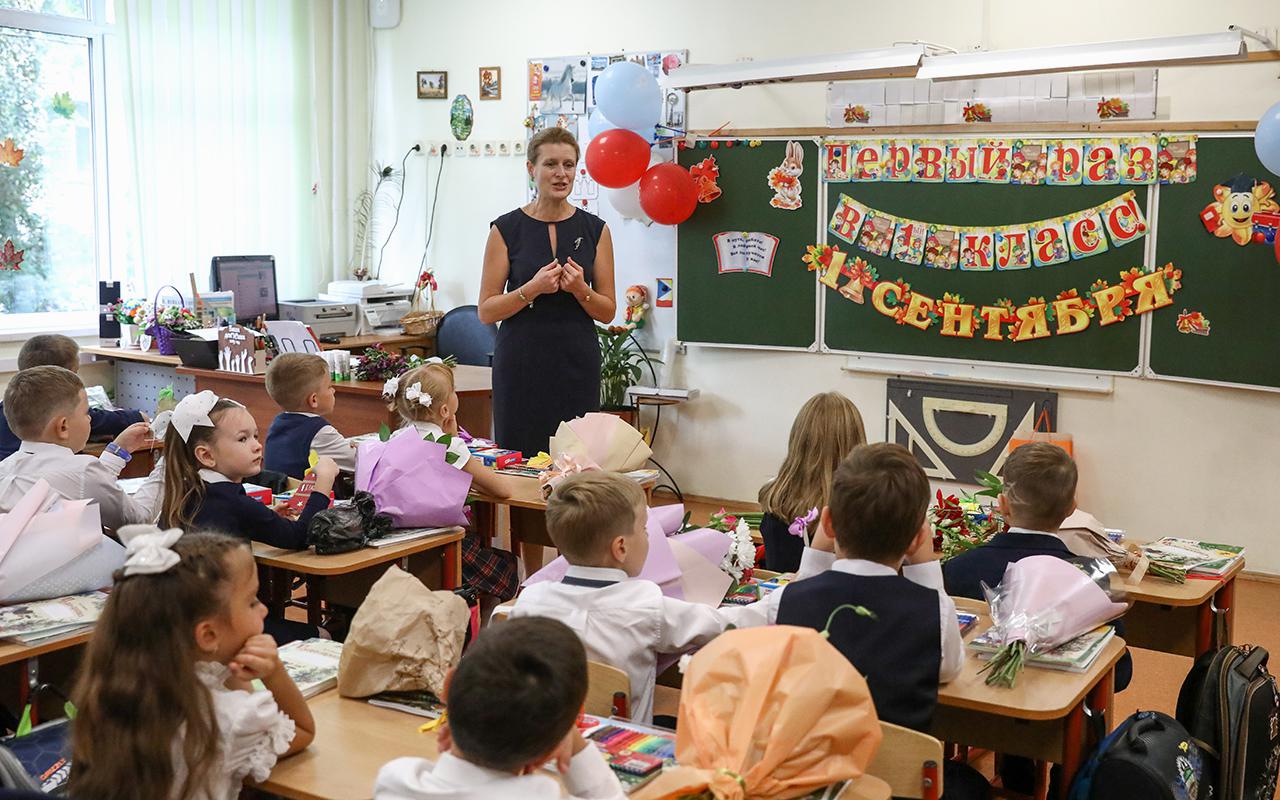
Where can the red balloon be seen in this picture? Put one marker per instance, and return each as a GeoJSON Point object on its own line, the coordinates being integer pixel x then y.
{"type": "Point", "coordinates": [617, 158]}
{"type": "Point", "coordinates": [668, 194]}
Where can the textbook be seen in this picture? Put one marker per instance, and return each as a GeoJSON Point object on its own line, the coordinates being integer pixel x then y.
{"type": "Point", "coordinates": [420, 703]}
{"type": "Point", "coordinates": [312, 663]}
{"type": "Point", "coordinates": [401, 535]}
{"type": "Point", "coordinates": [1206, 559]}
{"type": "Point", "coordinates": [1076, 655]}
{"type": "Point", "coordinates": [28, 623]}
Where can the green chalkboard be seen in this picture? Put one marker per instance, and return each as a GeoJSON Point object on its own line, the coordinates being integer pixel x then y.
{"type": "Point", "coordinates": [1235, 286]}
{"type": "Point", "coordinates": [746, 308]}
{"type": "Point", "coordinates": [859, 328]}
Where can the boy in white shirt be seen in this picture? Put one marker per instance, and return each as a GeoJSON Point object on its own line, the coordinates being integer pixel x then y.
{"type": "Point", "coordinates": [597, 521]}
{"type": "Point", "coordinates": [512, 706]}
{"type": "Point", "coordinates": [49, 411]}
{"type": "Point", "coordinates": [301, 385]}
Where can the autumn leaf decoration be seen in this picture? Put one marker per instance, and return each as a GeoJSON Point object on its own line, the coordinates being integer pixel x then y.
{"type": "Point", "coordinates": [10, 155]}
{"type": "Point", "coordinates": [10, 257]}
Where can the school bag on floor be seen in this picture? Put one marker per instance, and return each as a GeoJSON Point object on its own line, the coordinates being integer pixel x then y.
{"type": "Point", "coordinates": [1230, 704]}
{"type": "Point", "coordinates": [1150, 756]}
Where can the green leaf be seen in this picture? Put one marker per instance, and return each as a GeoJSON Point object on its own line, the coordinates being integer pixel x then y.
{"type": "Point", "coordinates": [384, 432]}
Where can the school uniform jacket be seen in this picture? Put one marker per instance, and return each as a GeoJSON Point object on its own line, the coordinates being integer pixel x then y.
{"type": "Point", "coordinates": [451, 778]}
{"type": "Point", "coordinates": [965, 574]}
{"type": "Point", "coordinates": [226, 508]}
{"type": "Point", "coordinates": [294, 434]}
{"type": "Point", "coordinates": [626, 622]}
{"type": "Point", "coordinates": [80, 476]}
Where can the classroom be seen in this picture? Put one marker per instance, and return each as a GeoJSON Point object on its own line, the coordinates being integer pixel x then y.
{"type": "Point", "coordinates": [518, 400]}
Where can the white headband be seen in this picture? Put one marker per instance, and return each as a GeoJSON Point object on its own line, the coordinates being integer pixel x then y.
{"type": "Point", "coordinates": [192, 410]}
{"type": "Point", "coordinates": [147, 549]}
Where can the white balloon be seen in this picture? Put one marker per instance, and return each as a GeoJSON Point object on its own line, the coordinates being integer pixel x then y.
{"type": "Point", "coordinates": [626, 201]}
{"type": "Point", "coordinates": [597, 124]}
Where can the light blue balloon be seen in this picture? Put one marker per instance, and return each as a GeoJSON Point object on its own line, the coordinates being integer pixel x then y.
{"type": "Point", "coordinates": [629, 96]}
{"type": "Point", "coordinates": [598, 123]}
{"type": "Point", "coordinates": [1266, 139]}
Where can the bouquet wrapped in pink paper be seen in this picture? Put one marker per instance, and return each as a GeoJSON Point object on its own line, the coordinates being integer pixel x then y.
{"type": "Point", "coordinates": [412, 483]}
{"type": "Point", "coordinates": [594, 441]}
{"type": "Point", "coordinates": [1043, 602]}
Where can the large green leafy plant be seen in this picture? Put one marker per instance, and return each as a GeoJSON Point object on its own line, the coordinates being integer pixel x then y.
{"type": "Point", "coordinates": [620, 362]}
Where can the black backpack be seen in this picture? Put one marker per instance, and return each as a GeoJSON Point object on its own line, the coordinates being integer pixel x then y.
{"type": "Point", "coordinates": [1230, 704]}
{"type": "Point", "coordinates": [1148, 757]}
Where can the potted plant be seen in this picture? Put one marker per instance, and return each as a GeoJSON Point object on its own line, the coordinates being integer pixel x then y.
{"type": "Point", "coordinates": [132, 315]}
{"type": "Point", "coordinates": [620, 361]}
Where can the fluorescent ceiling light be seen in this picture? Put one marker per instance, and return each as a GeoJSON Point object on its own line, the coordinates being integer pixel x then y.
{"type": "Point", "coordinates": [1099, 55]}
{"type": "Point", "coordinates": [882, 63]}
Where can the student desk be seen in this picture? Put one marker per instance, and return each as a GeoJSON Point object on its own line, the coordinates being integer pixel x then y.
{"type": "Point", "coordinates": [27, 659]}
{"type": "Point", "coordinates": [528, 515]}
{"type": "Point", "coordinates": [360, 407]}
{"type": "Point", "coordinates": [1042, 717]}
{"type": "Point", "coordinates": [318, 568]}
{"type": "Point", "coordinates": [354, 739]}
{"type": "Point", "coordinates": [143, 461]}
{"type": "Point", "coordinates": [1187, 619]}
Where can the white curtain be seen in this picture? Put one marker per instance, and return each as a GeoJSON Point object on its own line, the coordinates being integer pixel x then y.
{"type": "Point", "coordinates": [228, 135]}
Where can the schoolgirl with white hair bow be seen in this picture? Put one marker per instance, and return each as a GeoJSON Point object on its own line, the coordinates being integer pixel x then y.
{"type": "Point", "coordinates": [211, 446]}
{"type": "Point", "coordinates": [164, 702]}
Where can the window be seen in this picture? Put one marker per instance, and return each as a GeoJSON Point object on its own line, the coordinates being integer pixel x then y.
{"type": "Point", "coordinates": [48, 205]}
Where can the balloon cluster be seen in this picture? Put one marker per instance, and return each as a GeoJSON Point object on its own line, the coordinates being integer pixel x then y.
{"type": "Point", "coordinates": [637, 183]}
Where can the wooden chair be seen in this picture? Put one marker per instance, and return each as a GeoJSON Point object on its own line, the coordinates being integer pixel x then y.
{"type": "Point", "coordinates": [910, 762]}
{"type": "Point", "coordinates": [603, 681]}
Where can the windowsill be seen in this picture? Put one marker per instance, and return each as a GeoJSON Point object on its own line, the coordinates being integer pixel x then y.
{"type": "Point", "coordinates": [24, 334]}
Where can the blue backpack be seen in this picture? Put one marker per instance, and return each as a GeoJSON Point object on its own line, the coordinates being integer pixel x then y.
{"type": "Point", "coordinates": [1150, 756]}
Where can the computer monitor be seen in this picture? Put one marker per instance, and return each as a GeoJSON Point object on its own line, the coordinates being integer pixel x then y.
{"type": "Point", "coordinates": [253, 281]}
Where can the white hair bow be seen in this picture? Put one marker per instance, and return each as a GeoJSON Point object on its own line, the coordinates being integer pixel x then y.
{"type": "Point", "coordinates": [192, 410]}
{"type": "Point", "coordinates": [147, 549]}
{"type": "Point", "coordinates": [415, 392]}
{"type": "Point", "coordinates": [389, 387]}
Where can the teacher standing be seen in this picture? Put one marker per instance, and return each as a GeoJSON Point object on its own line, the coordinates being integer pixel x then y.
{"type": "Point", "coordinates": [548, 278]}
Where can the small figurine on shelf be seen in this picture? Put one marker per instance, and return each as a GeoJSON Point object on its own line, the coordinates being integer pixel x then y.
{"type": "Point", "coordinates": [637, 307]}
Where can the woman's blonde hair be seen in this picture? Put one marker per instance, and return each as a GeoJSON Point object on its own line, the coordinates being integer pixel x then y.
{"type": "Point", "coordinates": [552, 135]}
{"type": "Point", "coordinates": [433, 379]}
{"type": "Point", "coordinates": [137, 687]}
{"type": "Point", "coordinates": [826, 430]}
{"type": "Point", "coordinates": [183, 487]}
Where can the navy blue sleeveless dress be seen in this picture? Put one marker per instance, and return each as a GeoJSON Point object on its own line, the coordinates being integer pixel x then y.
{"type": "Point", "coordinates": [546, 364]}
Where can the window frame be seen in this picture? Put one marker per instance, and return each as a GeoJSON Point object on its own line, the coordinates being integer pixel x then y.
{"type": "Point", "coordinates": [95, 29]}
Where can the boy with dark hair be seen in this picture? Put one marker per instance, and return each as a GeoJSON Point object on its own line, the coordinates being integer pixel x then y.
{"type": "Point", "coordinates": [301, 385]}
{"type": "Point", "coordinates": [879, 496]}
{"type": "Point", "coordinates": [512, 702]}
{"type": "Point", "coordinates": [56, 350]}
{"type": "Point", "coordinates": [597, 522]}
{"type": "Point", "coordinates": [49, 411]}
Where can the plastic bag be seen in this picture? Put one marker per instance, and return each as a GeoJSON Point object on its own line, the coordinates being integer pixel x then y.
{"type": "Point", "coordinates": [347, 527]}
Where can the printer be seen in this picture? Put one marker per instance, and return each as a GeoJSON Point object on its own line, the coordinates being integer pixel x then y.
{"type": "Point", "coordinates": [325, 318]}
{"type": "Point", "coordinates": [378, 306]}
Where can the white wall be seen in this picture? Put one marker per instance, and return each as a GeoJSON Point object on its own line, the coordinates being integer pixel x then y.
{"type": "Point", "coordinates": [1156, 458]}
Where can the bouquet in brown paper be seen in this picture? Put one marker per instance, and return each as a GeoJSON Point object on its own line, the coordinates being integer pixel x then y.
{"type": "Point", "coordinates": [766, 714]}
{"type": "Point", "coordinates": [594, 441]}
{"type": "Point", "coordinates": [404, 637]}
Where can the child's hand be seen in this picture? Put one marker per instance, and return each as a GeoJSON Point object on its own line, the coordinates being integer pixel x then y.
{"type": "Point", "coordinates": [133, 437]}
{"type": "Point", "coordinates": [282, 508]}
{"type": "Point", "coordinates": [257, 659]}
{"type": "Point", "coordinates": [326, 470]}
{"type": "Point", "coordinates": [569, 747]}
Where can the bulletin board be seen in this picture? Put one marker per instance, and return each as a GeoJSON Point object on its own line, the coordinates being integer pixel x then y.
{"type": "Point", "coordinates": [1223, 328]}
{"type": "Point", "coordinates": [740, 277]}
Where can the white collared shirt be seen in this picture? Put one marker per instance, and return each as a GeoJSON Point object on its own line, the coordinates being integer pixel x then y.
{"type": "Point", "coordinates": [455, 445]}
{"type": "Point", "coordinates": [328, 442]}
{"type": "Point", "coordinates": [212, 476]}
{"type": "Point", "coordinates": [452, 778]}
{"type": "Point", "coordinates": [79, 477]}
{"type": "Point", "coordinates": [628, 622]}
{"type": "Point", "coordinates": [928, 574]}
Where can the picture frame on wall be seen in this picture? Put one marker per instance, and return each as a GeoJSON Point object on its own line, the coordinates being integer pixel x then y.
{"type": "Point", "coordinates": [491, 83]}
{"type": "Point", "coordinates": [433, 85]}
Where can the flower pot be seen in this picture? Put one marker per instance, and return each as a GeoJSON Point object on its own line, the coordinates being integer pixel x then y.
{"type": "Point", "coordinates": [128, 335]}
